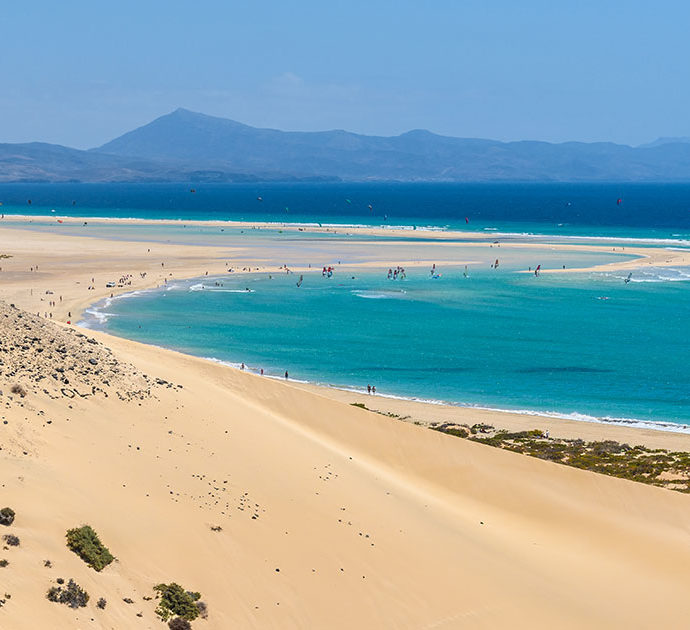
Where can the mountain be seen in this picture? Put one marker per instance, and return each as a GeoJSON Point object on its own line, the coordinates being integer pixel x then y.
{"type": "Point", "coordinates": [666, 140]}
{"type": "Point", "coordinates": [41, 162]}
{"type": "Point", "coordinates": [189, 137]}
{"type": "Point", "coordinates": [192, 147]}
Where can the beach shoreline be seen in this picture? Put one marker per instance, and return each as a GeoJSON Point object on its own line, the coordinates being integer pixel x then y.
{"type": "Point", "coordinates": [192, 263]}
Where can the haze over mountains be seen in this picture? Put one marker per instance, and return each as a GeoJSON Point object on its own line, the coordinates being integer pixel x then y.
{"type": "Point", "coordinates": [186, 146]}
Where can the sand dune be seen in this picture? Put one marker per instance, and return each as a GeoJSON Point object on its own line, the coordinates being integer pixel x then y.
{"type": "Point", "coordinates": [371, 522]}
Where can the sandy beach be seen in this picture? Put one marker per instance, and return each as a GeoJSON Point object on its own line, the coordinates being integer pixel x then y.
{"type": "Point", "coordinates": [324, 515]}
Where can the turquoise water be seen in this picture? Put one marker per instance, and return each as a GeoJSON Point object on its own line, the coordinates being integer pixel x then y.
{"type": "Point", "coordinates": [586, 345]}
{"type": "Point", "coordinates": [201, 234]}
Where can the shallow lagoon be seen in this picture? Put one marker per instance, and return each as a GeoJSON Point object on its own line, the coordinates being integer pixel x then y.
{"type": "Point", "coordinates": [584, 344]}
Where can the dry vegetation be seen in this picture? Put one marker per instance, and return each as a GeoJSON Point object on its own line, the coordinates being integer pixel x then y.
{"type": "Point", "coordinates": [659, 467]}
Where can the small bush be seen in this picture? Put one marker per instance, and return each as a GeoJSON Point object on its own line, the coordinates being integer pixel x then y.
{"type": "Point", "coordinates": [85, 543]}
{"type": "Point", "coordinates": [203, 609]}
{"type": "Point", "coordinates": [18, 389]}
{"type": "Point", "coordinates": [176, 602]}
{"type": "Point", "coordinates": [480, 428]}
{"type": "Point", "coordinates": [73, 595]}
{"type": "Point", "coordinates": [101, 603]}
{"type": "Point", "coordinates": [11, 540]}
{"type": "Point", "coordinates": [6, 516]}
{"type": "Point", "coordinates": [4, 563]}
{"type": "Point", "coordinates": [179, 624]}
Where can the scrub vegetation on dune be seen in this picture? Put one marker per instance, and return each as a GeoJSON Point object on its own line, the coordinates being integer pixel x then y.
{"type": "Point", "coordinates": [11, 540]}
{"type": "Point", "coordinates": [72, 594]}
{"type": "Point", "coordinates": [176, 602]}
{"type": "Point", "coordinates": [7, 515]}
{"type": "Point", "coordinates": [84, 541]}
{"type": "Point", "coordinates": [659, 467]}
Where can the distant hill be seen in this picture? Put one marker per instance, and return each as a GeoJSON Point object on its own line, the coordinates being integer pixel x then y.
{"type": "Point", "coordinates": [666, 140]}
{"type": "Point", "coordinates": [187, 146]}
{"type": "Point", "coordinates": [41, 162]}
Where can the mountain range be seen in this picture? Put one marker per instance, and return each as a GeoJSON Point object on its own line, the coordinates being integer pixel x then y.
{"type": "Point", "coordinates": [186, 146]}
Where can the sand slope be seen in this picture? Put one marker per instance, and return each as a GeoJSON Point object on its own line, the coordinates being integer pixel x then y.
{"type": "Point", "coordinates": [372, 523]}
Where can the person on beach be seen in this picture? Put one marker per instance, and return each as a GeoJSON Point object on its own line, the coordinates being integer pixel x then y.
{"type": "Point", "coordinates": [242, 366]}
{"type": "Point", "coordinates": [373, 389]}
{"type": "Point", "coordinates": [368, 389]}
{"type": "Point", "coordinates": [286, 375]}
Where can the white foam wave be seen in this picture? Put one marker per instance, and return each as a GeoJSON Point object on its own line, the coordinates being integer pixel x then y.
{"type": "Point", "coordinates": [674, 242]}
{"type": "Point", "coordinates": [379, 295]}
{"type": "Point", "coordinates": [94, 317]}
{"type": "Point", "coordinates": [214, 289]}
{"type": "Point", "coordinates": [653, 274]}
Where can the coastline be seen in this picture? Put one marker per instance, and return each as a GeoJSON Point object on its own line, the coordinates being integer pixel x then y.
{"type": "Point", "coordinates": [642, 255]}
{"type": "Point", "coordinates": [282, 503]}
{"type": "Point", "coordinates": [191, 262]}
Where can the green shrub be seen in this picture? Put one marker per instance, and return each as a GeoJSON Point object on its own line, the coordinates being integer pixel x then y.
{"type": "Point", "coordinates": [4, 563]}
{"type": "Point", "coordinates": [85, 543]}
{"type": "Point", "coordinates": [176, 602]}
{"type": "Point", "coordinates": [179, 624]}
{"type": "Point", "coordinates": [6, 516]}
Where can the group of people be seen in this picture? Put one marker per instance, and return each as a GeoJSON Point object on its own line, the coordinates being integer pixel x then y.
{"type": "Point", "coordinates": [396, 274]}
{"type": "Point", "coordinates": [371, 389]}
{"type": "Point", "coordinates": [327, 272]}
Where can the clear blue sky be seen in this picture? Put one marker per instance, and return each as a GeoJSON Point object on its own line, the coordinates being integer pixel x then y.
{"type": "Point", "coordinates": [81, 72]}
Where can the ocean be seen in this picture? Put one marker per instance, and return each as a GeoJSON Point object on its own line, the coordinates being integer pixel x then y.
{"type": "Point", "coordinates": [583, 345]}
{"type": "Point", "coordinates": [581, 209]}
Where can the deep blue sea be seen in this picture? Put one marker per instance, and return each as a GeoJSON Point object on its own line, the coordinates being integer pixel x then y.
{"type": "Point", "coordinates": [586, 345]}
{"type": "Point", "coordinates": [580, 209]}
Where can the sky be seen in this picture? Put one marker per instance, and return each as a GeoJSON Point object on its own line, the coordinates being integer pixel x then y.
{"type": "Point", "coordinates": [80, 73]}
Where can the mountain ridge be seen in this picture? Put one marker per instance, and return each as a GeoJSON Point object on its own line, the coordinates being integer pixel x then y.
{"type": "Point", "coordinates": [189, 146]}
